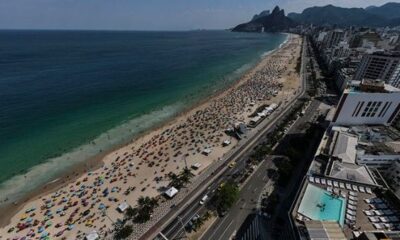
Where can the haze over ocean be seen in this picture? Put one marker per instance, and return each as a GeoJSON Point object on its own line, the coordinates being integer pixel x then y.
{"type": "Point", "coordinates": [66, 95]}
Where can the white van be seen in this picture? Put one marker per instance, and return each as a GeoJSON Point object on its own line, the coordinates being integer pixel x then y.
{"type": "Point", "coordinates": [204, 199]}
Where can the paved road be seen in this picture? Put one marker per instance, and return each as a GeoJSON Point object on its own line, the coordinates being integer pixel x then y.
{"type": "Point", "coordinates": [225, 228]}
{"type": "Point", "coordinates": [173, 223]}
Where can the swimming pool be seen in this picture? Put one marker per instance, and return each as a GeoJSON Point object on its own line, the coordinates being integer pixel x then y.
{"type": "Point", "coordinates": [318, 204]}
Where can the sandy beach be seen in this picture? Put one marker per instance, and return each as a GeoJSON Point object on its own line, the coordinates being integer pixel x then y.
{"type": "Point", "coordinates": [83, 201]}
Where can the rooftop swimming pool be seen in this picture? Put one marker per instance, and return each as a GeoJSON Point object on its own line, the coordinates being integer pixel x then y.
{"type": "Point", "coordinates": [319, 204]}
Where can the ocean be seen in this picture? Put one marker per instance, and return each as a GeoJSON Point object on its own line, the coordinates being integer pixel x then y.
{"type": "Point", "coordinates": [66, 96]}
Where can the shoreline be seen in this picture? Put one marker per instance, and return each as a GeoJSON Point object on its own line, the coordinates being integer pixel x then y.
{"type": "Point", "coordinates": [77, 170]}
{"type": "Point", "coordinates": [275, 69]}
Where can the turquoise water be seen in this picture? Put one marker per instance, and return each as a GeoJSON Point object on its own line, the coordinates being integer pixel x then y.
{"type": "Point", "coordinates": [66, 96]}
{"type": "Point", "coordinates": [318, 204]}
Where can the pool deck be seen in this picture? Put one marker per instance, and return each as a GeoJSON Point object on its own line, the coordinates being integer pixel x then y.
{"type": "Point", "coordinates": [362, 222]}
{"type": "Point", "coordinates": [334, 208]}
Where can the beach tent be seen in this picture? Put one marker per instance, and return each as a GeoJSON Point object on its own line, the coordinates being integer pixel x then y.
{"type": "Point", "coordinates": [171, 192]}
{"type": "Point", "coordinates": [123, 206]}
{"type": "Point", "coordinates": [196, 166]}
{"type": "Point", "coordinates": [207, 151]}
{"type": "Point", "coordinates": [273, 105]}
{"type": "Point", "coordinates": [92, 236]}
{"type": "Point", "coordinates": [226, 142]}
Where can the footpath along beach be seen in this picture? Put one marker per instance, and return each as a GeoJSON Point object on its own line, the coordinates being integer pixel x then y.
{"type": "Point", "coordinates": [90, 200]}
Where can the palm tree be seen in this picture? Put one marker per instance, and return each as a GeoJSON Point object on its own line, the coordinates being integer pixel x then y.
{"type": "Point", "coordinates": [186, 175]}
{"type": "Point", "coordinates": [145, 209]}
{"type": "Point", "coordinates": [176, 181]}
{"type": "Point", "coordinates": [131, 212]}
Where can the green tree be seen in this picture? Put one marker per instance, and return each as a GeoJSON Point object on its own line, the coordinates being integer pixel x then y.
{"type": "Point", "coordinates": [226, 196]}
{"type": "Point", "coordinates": [186, 175]}
{"type": "Point", "coordinates": [145, 208]}
{"type": "Point", "coordinates": [176, 181]}
{"type": "Point", "coordinates": [131, 212]}
{"type": "Point", "coordinates": [123, 232]}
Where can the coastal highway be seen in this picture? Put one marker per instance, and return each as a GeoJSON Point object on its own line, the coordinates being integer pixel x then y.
{"type": "Point", "coordinates": [172, 224]}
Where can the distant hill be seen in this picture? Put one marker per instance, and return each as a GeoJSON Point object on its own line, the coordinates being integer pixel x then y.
{"type": "Point", "coordinates": [385, 15]}
{"type": "Point", "coordinates": [337, 15]}
{"type": "Point", "coordinates": [274, 22]}
{"type": "Point", "coordinates": [389, 10]}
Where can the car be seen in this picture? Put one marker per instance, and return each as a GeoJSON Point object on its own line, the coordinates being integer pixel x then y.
{"type": "Point", "coordinates": [222, 213]}
{"type": "Point", "coordinates": [195, 217]}
{"type": "Point", "coordinates": [203, 199]}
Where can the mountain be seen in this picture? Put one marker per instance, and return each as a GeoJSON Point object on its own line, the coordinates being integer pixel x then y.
{"type": "Point", "coordinates": [385, 15]}
{"type": "Point", "coordinates": [370, 8]}
{"type": "Point", "coordinates": [274, 22]}
{"type": "Point", "coordinates": [389, 10]}
{"type": "Point", "coordinates": [329, 15]}
{"type": "Point", "coordinates": [262, 14]}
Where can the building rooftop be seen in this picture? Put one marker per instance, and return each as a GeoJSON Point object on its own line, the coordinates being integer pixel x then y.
{"type": "Point", "coordinates": [375, 133]}
{"type": "Point", "coordinates": [378, 149]}
{"type": "Point", "coordinates": [351, 172]}
{"type": "Point", "coordinates": [370, 86]}
{"type": "Point", "coordinates": [345, 147]}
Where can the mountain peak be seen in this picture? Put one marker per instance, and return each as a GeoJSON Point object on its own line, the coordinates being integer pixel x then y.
{"type": "Point", "coordinates": [276, 10]}
{"type": "Point", "coordinates": [276, 21]}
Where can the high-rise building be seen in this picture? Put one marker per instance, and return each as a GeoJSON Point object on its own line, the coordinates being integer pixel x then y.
{"type": "Point", "coordinates": [370, 102]}
{"type": "Point", "coordinates": [380, 66]}
{"type": "Point", "coordinates": [333, 38]}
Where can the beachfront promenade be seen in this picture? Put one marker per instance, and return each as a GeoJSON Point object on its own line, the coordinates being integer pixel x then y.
{"type": "Point", "coordinates": [82, 206]}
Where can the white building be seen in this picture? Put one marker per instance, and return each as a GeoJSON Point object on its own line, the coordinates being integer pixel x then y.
{"type": "Point", "coordinates": [368, 102]}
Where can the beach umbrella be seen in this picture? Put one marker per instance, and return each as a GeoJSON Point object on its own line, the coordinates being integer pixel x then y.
{"type": "Point", "coordinates": [102, 206]}
{"type": "Point", "coordinates": [29, 220]}
{"type": "Point", "coordinates": [86, 212]}
{"type": "Point", "coordinates": [44, 234]}
{"type": "Point", "coordinates": [71, 226]}
{"type": "Point", "coordinates": [41, 229]}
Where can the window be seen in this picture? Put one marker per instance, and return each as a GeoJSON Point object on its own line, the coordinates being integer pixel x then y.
{"type": "Point", "coordinates": [366, 109]}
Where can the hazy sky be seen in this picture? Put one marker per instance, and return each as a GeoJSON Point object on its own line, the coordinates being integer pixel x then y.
{"type": "Point", "coordinates": [146, 14]}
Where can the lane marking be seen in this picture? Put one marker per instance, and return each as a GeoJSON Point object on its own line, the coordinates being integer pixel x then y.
{"type": "Point", "coordinates": [226, 229]}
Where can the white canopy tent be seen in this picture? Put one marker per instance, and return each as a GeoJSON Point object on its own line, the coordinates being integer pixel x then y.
{"type": "Point", "coordinates": [171, 192]}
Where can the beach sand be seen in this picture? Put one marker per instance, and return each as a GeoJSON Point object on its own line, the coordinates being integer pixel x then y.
{"type": "Point", "coordinates": [78, 204]}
